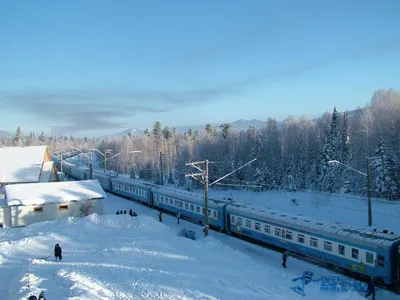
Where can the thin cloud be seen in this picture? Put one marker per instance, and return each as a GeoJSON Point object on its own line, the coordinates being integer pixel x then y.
{"type": "Point", "coordinates": [96, 109]}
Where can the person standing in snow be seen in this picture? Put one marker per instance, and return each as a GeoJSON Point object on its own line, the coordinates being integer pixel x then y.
{"type": "Point", "coordinates": [134, 214]}
{"type": "Point", "coordinates": [42, 296]}
{"type": "Point", "coordinates": [117, 212]}
{"type": "Point", "coordinates": [160, 216]}
{"type": "Point", "coordinates": [285, 256]}
{"type": "Point", "coordinates": [58, 252]}
{"type": "Point", "coordinates": [124, 212]}
{"type": "Point", "coordinates": [178, 216]}
{"type": "Point", "coordinates": [371, 289]}
{"type": "Point", "coordinates": [130, 212]}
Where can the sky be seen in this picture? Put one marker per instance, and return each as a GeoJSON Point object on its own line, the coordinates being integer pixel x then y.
{"type": "Point", "coordinates": [96, 67]}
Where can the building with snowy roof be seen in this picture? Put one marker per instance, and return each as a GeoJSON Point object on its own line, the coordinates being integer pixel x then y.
{"type": "Point", "coordinates": [38, 202]}
{"type": "Point", "coordinates": [26, 165]}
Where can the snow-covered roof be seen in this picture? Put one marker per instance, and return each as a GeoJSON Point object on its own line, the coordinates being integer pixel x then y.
{"type": "Point", "coordinates": [46, 171]}
{"type": "Point", "coordinates": [188, 196]}
{"type": "Point", "coordinates": [53, 192]}
{"type": "Point", "coordinates": [21, 164]}
{"type": "Point", "coordinates": [333, 229]}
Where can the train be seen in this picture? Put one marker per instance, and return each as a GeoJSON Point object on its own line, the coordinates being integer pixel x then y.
{"type": "Point", "coordinates": [366, 253]}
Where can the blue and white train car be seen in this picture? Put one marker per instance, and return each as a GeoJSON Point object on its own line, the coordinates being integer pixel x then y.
{"type": "Point", "coordinates": [80, 173]}
{"type": "Point", "coordinates": [190, 205]}
{"type": "Point", "coordinates": [137, 190]}
{"type": "Point", "coordinates": [104, 179]}
{"type": "Point", "coordinates": [361, 251]}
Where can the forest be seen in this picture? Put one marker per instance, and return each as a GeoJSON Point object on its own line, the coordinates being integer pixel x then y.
{"type": "Point", "coordinates": [292, 154]}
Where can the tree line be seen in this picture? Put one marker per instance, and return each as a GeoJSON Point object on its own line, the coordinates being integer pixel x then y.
{"type": "Point", "coordinates": [291, 155]}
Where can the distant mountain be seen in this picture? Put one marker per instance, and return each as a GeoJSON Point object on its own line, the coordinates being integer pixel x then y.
{"type": "Point", "coordinates": [132, 131]}
{"type": "Point", "coordinates": [236, 125]}
{"type": "Point", "coordinates": [5, 133]}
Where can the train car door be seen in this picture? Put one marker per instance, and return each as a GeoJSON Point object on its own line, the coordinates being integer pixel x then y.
{"type": "Point", "coordinates": [228, 222]}
{"type": "Point", "coordinates": [396, 267]}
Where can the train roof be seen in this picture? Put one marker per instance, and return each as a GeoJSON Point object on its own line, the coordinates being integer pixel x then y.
{"type": "Point", "coordinates": [126, 180]}
{"type": "Point", "coordinates": [188, 196]}
{"type": "Point", "coordinates": [337, 230]}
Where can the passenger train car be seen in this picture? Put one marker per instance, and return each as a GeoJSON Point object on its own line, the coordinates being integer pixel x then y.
{"type": "Point", "coordinates": [190, 205]}
{"type": "Point", "coordinates": [362, 251]}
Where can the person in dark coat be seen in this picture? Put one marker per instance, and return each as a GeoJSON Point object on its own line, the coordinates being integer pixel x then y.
{"type": "Point", "coordinates": [134, 214]}
{"type": "Point", "coordinates": [284, 258]}
{"type": "Point", "coordinates": [58, 252]}
{"type": "Point", "coordinates": [160, 216]}
{"type": "Point", "coordinates": [124, 212]}
{"type": "Point", "coordinates": [130, 212]}
{"type": "Point", "coordinates": [371, 289]}
{"type": "Point", "coordinates": [178, 216]}
{"type": "Point", "coordinates": [117, 212]}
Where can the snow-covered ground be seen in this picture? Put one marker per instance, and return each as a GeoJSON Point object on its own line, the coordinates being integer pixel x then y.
{"type": "Point", "coordinates": [121, 257]}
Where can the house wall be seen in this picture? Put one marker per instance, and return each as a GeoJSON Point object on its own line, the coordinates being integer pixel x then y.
{"type": "Point", "coordinates": [5, 216]}
{"type": "Point", "coordinates": [47, 155]}
{"type": "Point", "coordinates": [25, 215]}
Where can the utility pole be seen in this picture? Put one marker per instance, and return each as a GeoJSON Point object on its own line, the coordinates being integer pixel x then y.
{"type": "Point", "coordinates": [105, 158]}
{"type": "Point", "coordinates": [162, 173]}
{"type": "Point", "coordinates": [204, 175]}
{"type": "Point", "coordinates": [91, 166]}
{"type": "Point", "coordinates": [206, 195]}
{"type": "Point", "coordinates": [61, 164]}
{"type": "Point", "coordinates": [369, 193]}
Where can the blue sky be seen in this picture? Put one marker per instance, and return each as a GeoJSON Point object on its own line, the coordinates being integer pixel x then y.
{"type": "Point", "coordinates": [95, 67]}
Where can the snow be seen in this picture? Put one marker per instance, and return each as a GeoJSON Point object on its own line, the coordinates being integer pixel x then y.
{"type": "Point", "coordinates": [53, 192]}
{"type": "Point", "coordinates": [122, 257]}
{"type": "Point", "coordinates": [46, 171]}
{"type": "Point", "coordinates": [21, 164]}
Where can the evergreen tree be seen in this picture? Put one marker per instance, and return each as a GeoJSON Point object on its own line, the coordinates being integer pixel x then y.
{"type": "Point", "coordinates": [18, 138]}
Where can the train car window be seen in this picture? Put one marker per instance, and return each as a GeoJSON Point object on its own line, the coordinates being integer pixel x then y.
{"type": "Point", "coordinates": [248, 224]}
{"type": "Point", "coordinates": [38, 209]}
{"type": "Point", "coordinates": [186, 206]}
{"type": "Point", "coordinates": [277, 232]}
{"type": "Point", "coordinates": [314, 242]}
{"type": "Point", "coordinates": [328, 246]}
{"type": "Point", "coordinates": [233, 219]}
{"type": "Point", "coordinates": [191, 207]}
{"type": "Point", "coordinates": [215, 214]}
{"type": "Point", "coordinates": [239, 222]}
{"type": "Point", "coordinates": [257, 226]}
{"type": "Point", "coordinates": [341, 250]}
{"type": "Point", "coordinates": [369, 257]}
{"type": "Point", "coordinates": [381, 260]}
{"type": "Point", "coordinates": [289, 235]}
{"type": "Point", "coordinates": [209, 212]}
{"type": "Point", "coordinates": [171, 201]}
{"type": "Point", "coordinates": [267, 229]}
{"type": "Point", "coordinates": [203, 211]}
{"type": "Point", "coordinates": [300, 238]}
{"type": "Point", "coordinates": [354, 253]}
{"type": "Point", "coordinates": [197, 209]}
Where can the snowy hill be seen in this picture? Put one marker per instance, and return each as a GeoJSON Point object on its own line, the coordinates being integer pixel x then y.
{"type": "Point", "coordinates": [122, 257]}
{"type": "Point", "coordinates": [5, 133]}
